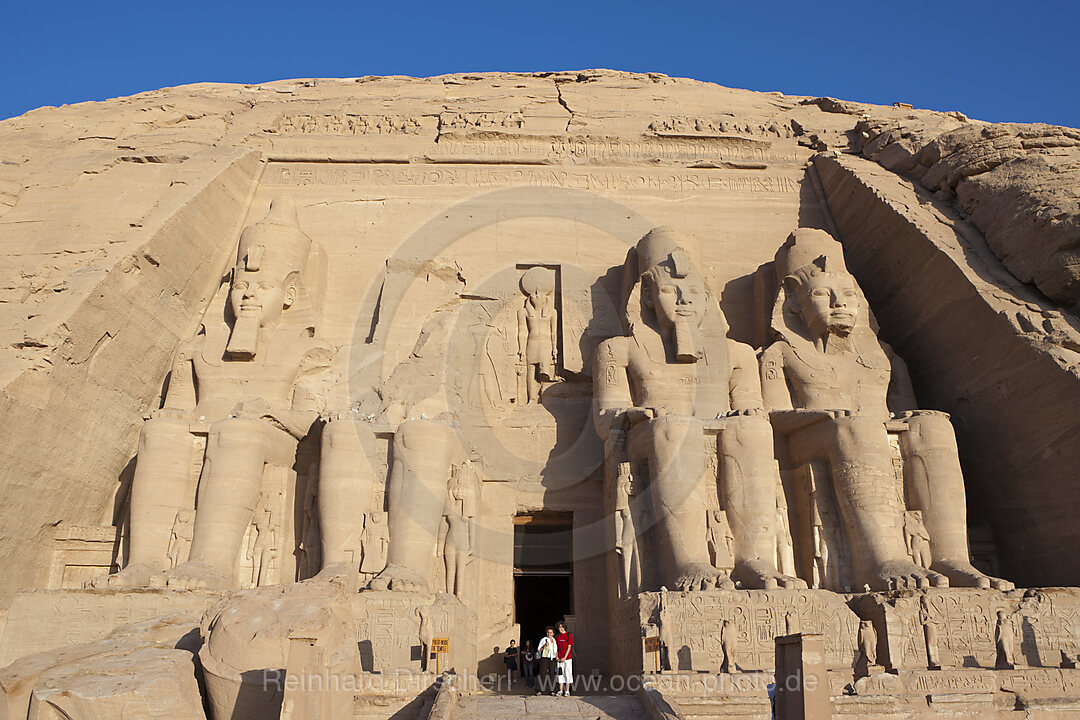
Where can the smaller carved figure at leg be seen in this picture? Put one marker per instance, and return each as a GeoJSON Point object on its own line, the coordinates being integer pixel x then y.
{"type": "Point", "coordinates": [935, 484]}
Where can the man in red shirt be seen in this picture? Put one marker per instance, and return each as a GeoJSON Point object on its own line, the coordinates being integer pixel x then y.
{"type": "Point", "coordinates": [565, 659]}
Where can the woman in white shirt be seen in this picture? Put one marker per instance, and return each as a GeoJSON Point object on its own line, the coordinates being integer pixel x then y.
{"type": "Point", "coordinates": [546, 651]}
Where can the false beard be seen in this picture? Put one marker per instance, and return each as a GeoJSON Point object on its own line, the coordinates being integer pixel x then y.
{"type": "Point", "coordinates": [244, 338]}
{"type": "Point", "coordinates": [687, 342]}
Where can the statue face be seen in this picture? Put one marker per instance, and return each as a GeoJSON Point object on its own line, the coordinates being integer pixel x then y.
{"type": "Point", "coordinates": [830, 304]}
{"type": "Point", "coordinates": [676, 300]}
{"type": "Point", "coordinates": [255, 295]}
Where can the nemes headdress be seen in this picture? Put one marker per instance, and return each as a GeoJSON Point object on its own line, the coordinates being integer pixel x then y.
{"type": "Point", "coordinates": [275, 245]}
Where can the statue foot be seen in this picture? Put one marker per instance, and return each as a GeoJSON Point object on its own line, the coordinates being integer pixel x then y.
{"type": "Point", "coordinates": [962, 573]}
{"type": "Point", "coordinates": [192, 575]}
{"type": "Point", "coordinates": [905, 575]}
{"type": "Point", "coordinates": [398, 578]}
{"type": "Point", "coordinates": [702, 576]}
{"type": "Point", "coordinates": [757, 576]}
{"type": "Point", "coordinates": [135, 575]}
{"type": "Point", "coordinates": [340, 573]}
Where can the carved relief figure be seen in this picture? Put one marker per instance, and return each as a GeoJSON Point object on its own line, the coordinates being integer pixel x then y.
{"type": "Point", "coordinates": [729, 640]}
{"type": "Point", "coordinates": [721, 541]}
{"type": "Point", "coordinates": [626, 545]}
{"type": "Point", "coordinates": [263, 548]}
{"type": "Point", "coordinates": [867, 647]}
{"type": "Point", "coordinates": [180, 541]}
{"type": "Point", "coordinates": [458, 534]}
{"type": "Point", "coordinates": [785, 551]}
{"type": "Point", "coordinates": [917, 539]}
{"type": "Point", "coordinates": [1005, 640]}
{"type": "Point", "coordinates": [538, 327]}
{"type": "Point", "coordinates": [674, 373]}
{"type": "Point", "coordinates": [426, 634]}
{"type": "Point", "coordinates": [831, 385]}
{"type": "Point", "coordinates": [930, 635]}
{"type": "Point", "coordinates": [252, 380]}
{"type": "Point", "coordinates": [374, 543]}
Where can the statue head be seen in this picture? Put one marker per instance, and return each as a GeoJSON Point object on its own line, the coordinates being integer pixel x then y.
{"type": "Point", "coordinates": [671, 284]}
{"type": "Point", "coordinates": [818, 297]}
{"type": "Point", "coordinates": [538, 283]}
{"type": "Point", "coordinates": [268, 275]}
{"type": "Point", "coordinates": [674, 290]}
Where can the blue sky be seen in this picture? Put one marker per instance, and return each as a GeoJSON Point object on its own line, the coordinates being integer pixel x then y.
{"type": "Point", "coordinates": [998, 61]}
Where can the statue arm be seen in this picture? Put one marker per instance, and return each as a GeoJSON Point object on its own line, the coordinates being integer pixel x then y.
{"type": "Point", "coordinates": [611, 383]}
{"type": "Point", "coordinates": [522, 332]}
{"type": "Point", "coordinates": [308, 394]}
{"type": "Point", "coordinates": [901, 394]}
{"type": "Point", "coordinates": [745, 383]}
{"type": "Point", "coordinates": [774, 387]}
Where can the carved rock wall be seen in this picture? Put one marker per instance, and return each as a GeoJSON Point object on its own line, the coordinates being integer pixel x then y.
{"type": "Point", "coordinates": [982, 346]}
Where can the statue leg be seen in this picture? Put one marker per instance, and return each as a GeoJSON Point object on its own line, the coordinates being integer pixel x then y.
{"type": "Point", "coordinates": [416, 496]}
{"type": "Point", "coordinates": [935, 485]}
{"type": "Point", "coordinates": [236, 452]}
{"type": "Point", "coordinates": [749, 475]}
{"type": "Point", "coordinates": [160, 489]}
{"type": "Point", "coordinates": [859, 456]}
{"type": "Point", "coordinates": [450, 564]}
{"type": "Point", "coordinates": [346, 489]}
{"type": "Point", "coordinates": [675, 447]}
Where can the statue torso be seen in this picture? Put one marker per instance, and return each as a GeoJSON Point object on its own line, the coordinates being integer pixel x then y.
{"type": "Point", "coordinates": [698, 389]}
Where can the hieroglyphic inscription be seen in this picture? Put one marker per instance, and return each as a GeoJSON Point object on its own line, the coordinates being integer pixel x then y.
{"type": "Point", "coordinates": [348, 124]}
{"type": "Point", "coordinates": [694, 621]}
{"type": "Point", "coordinates": [705, 126]}
{"type": "Point", "coordinates": [962, 681]}
{"type": "Point", "coordinates": [606, 150]}
{"type": "Point", "coordinates": [480, 120]}
{"type": "Point", "coordinates": [301, 174]}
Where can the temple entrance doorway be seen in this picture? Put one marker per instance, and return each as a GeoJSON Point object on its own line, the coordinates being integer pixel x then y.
{"type": "Point", "coordinates": [543, 571]}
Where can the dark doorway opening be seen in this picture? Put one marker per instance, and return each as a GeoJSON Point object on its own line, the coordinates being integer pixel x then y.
{"type": "Point", "coordinates": [543, 572]}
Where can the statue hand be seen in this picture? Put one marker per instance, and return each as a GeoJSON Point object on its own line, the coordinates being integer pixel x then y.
{"type": "Point", "coordinates": [640, 414]}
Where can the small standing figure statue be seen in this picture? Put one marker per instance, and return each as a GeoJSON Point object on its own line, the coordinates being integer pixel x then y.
{"type": "Point", "coordinates": [426, 635]}
{"type": "Point", "coordinates": [918, 539]}
{"type": "Point", "coordinates": [867, 648]}
{"type": "Point", "coordinates": [720, 541]}
{"type": "Point", "coordinates": [1005, 641]}
{"type": "Point", "coordinates": [181, 537]}
{"type": "Point", "coordinates": [729, 643]}
{"type": "Point", "coordinates": [625, 532]}
{"type": "Point", "coordinates": [538, 323]}
{"type": "Point", "coordinates": [930, 633]}
{"type": "Point", "coordinates": [785, 552]}
{"type": "Point", "coordinates": [374, 542]}
{"type": "Point", "coordinates": [457, 536]}
{"type": "Point", "coordinates": [792, 623]}
{"type": "Point", "coordinates": [263, 544]}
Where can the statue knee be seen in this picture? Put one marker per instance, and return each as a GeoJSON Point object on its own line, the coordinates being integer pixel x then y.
{"type": "Point", "coordinates": [930, 432]}
{"type": "Point", "coordinates": [163, 430]}
{"type": "Point", "coordinates": [861, 433]}
{"type": "Point", "coordinates": [420, 434]}
{"type": "Point", "coordinates": [747, 431]}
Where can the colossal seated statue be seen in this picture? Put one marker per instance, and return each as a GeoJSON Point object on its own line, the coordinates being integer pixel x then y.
{"type": "Point", "coordinates": [250, 380]}
{"type": "Point", "coordinates": [832, 387]}
{"type": "Point", "coordinates": [674, 375]}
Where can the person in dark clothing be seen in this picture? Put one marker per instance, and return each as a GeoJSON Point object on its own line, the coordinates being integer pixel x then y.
{"type": "Point", "coordinates": [528, 664]}
{"type": "Point", "coordinates": [510, 657]}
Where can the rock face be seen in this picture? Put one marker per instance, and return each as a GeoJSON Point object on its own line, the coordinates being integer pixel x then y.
{"type": "Point", "coordinates": [689, 363]}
